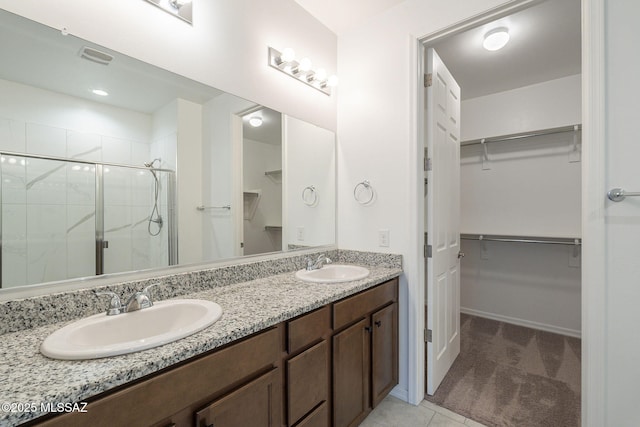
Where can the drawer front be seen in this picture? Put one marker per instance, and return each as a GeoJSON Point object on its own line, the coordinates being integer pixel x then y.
{"type": "Point", "coordinates": [255, 404]}
{"type": "Point", "coordinates": [172, 391]}
{"type": "Point", "coordinates": [307, 381]}
{"type": "Point", "coordinates": [358, 306]}
{"type": "Point", "coordinates": [308, 328]}
{"type": "Point", "coordinates": [318, 418]}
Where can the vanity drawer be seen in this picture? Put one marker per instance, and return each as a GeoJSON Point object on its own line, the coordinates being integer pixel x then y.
{"type": "Point", "coordinates": [166, 394]}
{"type": "Point", "coordinates": [307, 329]}
{"type": "Point", "coordinates": [307, 381]}
{"type": "Point", "coordinates": [358, 306]}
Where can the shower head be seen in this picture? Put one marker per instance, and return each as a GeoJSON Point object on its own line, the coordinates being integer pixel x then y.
{"type": "Point", "coordinates": [152, 162]}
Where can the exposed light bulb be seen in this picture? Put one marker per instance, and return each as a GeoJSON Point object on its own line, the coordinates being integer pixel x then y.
{"type": "Point", "coordinates": [305, 65]}
{"type": "Point", "coordinates": [255, 121]}
{"type": "Point", "coordinates": [333, 81]}
{"type": "Point", "coordinates": [100, 92]}
{"type": "Point", "coordinates": [288, 55]}
{"type": "Point", "coordinates": [496, 39]}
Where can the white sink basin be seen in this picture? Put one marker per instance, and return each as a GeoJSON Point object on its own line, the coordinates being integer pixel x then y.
{"type": "Point", "coordinates": [103, 336]}
{"type": "Point", "coordinates": [333, 273]}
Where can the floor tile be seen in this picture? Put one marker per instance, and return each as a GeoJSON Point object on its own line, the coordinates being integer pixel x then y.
{"type": "Point", "coordinates": [440, 420]}
{"type": "Point", "coordinates": [443, 411]}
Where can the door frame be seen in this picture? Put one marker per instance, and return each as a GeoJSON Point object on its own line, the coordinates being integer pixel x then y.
{"type": "Point", "coordinates": [593, 190]}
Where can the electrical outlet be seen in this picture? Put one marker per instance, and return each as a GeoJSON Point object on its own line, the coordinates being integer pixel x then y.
{"type": "Point", "coordinates": [383, 238]}
{"type": "Point", "coordinates": [300, 234]}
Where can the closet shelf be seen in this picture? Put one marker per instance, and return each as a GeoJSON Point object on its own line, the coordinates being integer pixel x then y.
{"type": "Point", "coordinates": [521, 135]}
{"type": "Point", "coordinates": [523, 239]}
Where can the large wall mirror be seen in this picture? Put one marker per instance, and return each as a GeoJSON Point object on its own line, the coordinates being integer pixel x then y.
{"type": "Point", "coordinates": [111, 165]}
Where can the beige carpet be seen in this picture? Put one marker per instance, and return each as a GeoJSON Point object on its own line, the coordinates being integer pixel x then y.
{"type": "Point", "coordinates": [513, 376]}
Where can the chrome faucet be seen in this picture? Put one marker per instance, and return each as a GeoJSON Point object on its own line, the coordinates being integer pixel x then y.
{"type": "Point", "coordinates": [137, 301]}
{"type": "Point", "coordinates": [320, 261]}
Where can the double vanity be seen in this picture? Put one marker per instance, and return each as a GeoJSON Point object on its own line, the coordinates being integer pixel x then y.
{"type": "Point", "coordinates": [307, 348]}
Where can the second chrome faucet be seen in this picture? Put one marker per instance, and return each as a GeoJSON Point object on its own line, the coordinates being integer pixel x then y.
{"type": "Point", "coordinates": [137, 301]}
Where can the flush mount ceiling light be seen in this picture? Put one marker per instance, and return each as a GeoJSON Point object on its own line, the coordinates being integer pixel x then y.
{"type": "Point", "coordinates": [285, 61]}
{"type": "Point", "coordinates": [100, 92]}
{"type": "Point", "coordinates": [255, 121]}
{"type": "Point", "coordinates": [496, 39]}
{"type": "Point", "coordinates": [179, 8]}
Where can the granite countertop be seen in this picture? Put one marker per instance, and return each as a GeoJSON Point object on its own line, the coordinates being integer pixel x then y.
{"type": "Point", "coordinates": [248, 307]}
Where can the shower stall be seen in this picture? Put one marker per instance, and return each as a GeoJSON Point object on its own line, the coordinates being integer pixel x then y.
{"type": "Point", "coordinates": [66, 218]}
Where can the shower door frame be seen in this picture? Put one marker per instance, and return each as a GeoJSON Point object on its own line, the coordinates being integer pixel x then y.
{"type": "Point", "coordinates": [100, 243]}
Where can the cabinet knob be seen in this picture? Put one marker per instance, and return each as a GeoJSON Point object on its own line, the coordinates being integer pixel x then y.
{"type": "Point", "coordinates": [378, 323]}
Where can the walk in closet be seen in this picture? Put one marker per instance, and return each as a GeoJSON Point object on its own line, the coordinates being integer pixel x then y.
{"type": "Point", "coordinates": [520, 206]}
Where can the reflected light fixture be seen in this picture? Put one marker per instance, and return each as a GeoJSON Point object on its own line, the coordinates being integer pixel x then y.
{"type": "Point", "coordinates": [255, 121]}
{"type": "Point", "coordinates": [496, 39]}
{"type": "Point", "coordinates": [179, 8]}
{"type": "Point", "coordinates": [302, 70]}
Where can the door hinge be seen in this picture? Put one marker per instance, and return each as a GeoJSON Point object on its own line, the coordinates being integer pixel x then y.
{"type": "Point", "coordinates": [427, 335]}
{"type": "Point", "coordinates": [427, 80]}
{"type": "Point", "coordinates": [427, 251]}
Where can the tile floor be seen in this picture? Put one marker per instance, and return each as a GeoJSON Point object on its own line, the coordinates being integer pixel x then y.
{"type": "Point", "coordinates": [392, 412]}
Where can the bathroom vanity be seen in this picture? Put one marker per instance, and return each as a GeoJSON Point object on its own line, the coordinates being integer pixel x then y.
{"type": "Point", "coordinates": [283, 375]}
{"type": "Point", "coordinates": [285, 352]}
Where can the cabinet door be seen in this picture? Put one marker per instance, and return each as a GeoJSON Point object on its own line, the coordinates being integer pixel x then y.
{"type": "Point", "coordinates": [384, 352]}
{"type": "Point", "coordinates": [256, 404]}
{"type": "Point", "coordinates": [351, 367]}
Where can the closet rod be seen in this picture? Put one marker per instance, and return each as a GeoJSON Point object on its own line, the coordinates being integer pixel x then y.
{"type": "Point", "coordinates": [522, 135]}
{"type": "Point", "coordinates": [523, 239]}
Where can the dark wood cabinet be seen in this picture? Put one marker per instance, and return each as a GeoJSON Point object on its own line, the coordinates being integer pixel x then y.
{"type": "Point", "coordinates": [255, 404]}
{"type": "Point", "coordinates": [327, 367]}
{"type": "Point", "coordinates": [365, 353]}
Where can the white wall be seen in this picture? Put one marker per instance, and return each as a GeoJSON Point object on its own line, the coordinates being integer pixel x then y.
{"type": "Point", "coordinates": [309, 161]}
{"type": "Point", "coordinates": [377, 141]}
{"type": "Point", "coordinates": [550, 104]}
{"type": "Point", "coordinates": [226, 47]}
{"type": "Point", "coordinates": [258, 158]}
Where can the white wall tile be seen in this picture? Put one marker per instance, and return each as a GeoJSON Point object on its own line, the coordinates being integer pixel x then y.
{"type": "Point", "coordinates": [46, 182]}
{"type": "Point", "coordinates": [86, 146]}
{"type": "Point", "coordinates": [46, 248]}
{"type": "Point", "coordinates": [14, 245]}
{"type": "Point", "coordinates": [116, 150]}
{"type": "Point", "coordinates": [12, 135]}
{"type": "Point", "coordinates": [46, 140]}
{"type": "Point", "coordinates": [81, 238]}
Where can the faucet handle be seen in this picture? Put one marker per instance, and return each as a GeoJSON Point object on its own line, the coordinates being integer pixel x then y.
{"type": "Point", "coordinates": [115, 306]}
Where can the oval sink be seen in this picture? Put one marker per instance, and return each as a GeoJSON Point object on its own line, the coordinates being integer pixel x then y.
{"type": "Point", "coordinates": [333, 273]}
{"type": "Point", "coordinates": [103, 336]}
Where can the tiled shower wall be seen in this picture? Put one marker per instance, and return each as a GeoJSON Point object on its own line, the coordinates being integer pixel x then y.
{"type": "Point", "coordinates": [48, 207]}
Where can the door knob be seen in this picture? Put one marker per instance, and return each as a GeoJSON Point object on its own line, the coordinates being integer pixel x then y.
{"type": "Point", "coordinates": [460, 254]}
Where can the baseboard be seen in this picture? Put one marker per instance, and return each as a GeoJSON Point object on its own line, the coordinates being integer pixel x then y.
{"type": "Point", "coordinates": [523, 322]}
{"type": "Point", "coordinates": [400, 393]}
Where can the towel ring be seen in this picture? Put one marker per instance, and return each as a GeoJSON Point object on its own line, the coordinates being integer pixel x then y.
{"type": "Point", "coordinates": [366, 185]}
{"type": "Point", "coordinates": [307, 193]}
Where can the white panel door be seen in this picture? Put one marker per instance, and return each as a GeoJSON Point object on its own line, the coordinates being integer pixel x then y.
{"type": "Point", "coordinates": [443, 220]}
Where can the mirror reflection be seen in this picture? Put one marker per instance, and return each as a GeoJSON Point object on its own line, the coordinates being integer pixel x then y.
{"type": "Point", "coordinates": [110, 165]}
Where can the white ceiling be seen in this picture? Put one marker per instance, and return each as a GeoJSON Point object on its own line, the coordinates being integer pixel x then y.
{"type": "Point", "coordinates": [341, 15]}
{"type": "Point", "coordinates": [544, 45]}
{"type": "Point", "coordinates": [39, 56]}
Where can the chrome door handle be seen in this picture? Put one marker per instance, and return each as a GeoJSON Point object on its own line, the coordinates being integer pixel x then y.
{"type": "Point", "coordinates": [460, 254]}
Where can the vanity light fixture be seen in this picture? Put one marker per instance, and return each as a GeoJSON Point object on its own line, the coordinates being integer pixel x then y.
{"type": "Point", "coordinates": [496, 39]}
{"type": "Point", "coordinates": [179, 8]}
{"type": "Point", "coordinates": [285, 61]}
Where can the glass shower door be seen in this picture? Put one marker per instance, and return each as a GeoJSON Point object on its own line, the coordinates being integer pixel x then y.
{"type": "Point", "coordinates": [48, 220]}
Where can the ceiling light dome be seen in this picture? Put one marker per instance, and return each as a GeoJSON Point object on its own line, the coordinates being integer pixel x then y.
{"type": "Point", "coordinates": [496, 39]}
